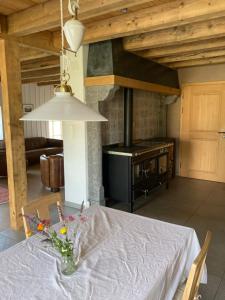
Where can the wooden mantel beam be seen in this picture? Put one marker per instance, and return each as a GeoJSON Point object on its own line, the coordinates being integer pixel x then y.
{"type": "Point", "coordinates": [46, 15]}
{"type": "Point", "coordinates": [131, 83]}
{"type": "Point", "coordinates": [177, 35]}
{"type": "Point", "coordinates": [13, 129]}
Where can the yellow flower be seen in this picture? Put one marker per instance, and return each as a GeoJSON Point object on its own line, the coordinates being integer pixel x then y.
{"type": "Point", "coordinates": [63, 230]}
{"type": "Point", "coordinates": [40, 227]}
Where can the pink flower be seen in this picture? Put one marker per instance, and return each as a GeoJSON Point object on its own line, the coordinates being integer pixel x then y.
{"type": "Point", "coordinates": [83, 219]}
{"type": "Point", "coordinates": [70, 219]}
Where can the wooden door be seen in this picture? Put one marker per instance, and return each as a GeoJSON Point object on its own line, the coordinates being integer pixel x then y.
{"type": "Point", "coordinates": [203, 132]}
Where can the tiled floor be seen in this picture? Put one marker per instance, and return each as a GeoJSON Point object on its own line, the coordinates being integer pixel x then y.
{"type": "Point", "coordinates": [194, 203]}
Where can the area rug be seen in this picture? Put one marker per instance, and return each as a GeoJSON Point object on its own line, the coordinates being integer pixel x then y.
{"type": "Point", "coordinates": [4, 195]}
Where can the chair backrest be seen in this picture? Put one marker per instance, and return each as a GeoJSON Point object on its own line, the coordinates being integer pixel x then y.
{"type": "Point", "coordinates": [40, 207]}
{"type": "Point", "coordinates": [193, 281]}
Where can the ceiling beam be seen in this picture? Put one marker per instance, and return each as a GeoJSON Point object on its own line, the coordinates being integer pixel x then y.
{"type": "Point", "coordinates": [40, 79]}
{"type": "Point", "coordinates": [190, 56]}
{"type": "Point", "coordinates": [40, 73]}
{"type": "Point", "coordinates": [183, 49]}
{"type": "Point", "coordinates": [47, 15]}
{"type": "Point", "coordinates": [41, 41]}
{"type": "Point", "coordinates": [174, 13]}
{"type": "Point", "coordinates": [166, 15]}
{"type": "Point", "coordinates": [41, 63]}
{"type": "Point", "coordinates": [177, 35]}
{"type": "Point", "coordinates": [27, 54]}
{"type": "Point", "coordinates": [197, 62]}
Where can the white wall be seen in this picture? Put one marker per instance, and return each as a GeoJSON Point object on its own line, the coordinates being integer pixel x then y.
{"type": "Point", "coordinates": [202, 74]}
{"type": "Point", "coordinates": [35, 95]}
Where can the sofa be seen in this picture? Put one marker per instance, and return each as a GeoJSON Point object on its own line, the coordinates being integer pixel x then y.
{"type": "Point", "coordinates": [34, 148]}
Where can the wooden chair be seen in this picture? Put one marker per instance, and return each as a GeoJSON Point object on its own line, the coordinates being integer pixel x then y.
{"type": "Point", "coordinates": [189, 291]}
{"type": "Point", "coordinates": [41, 208]}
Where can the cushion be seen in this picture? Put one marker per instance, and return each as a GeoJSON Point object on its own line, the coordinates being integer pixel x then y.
{"type": "Point", "coordinates": [35, 143]}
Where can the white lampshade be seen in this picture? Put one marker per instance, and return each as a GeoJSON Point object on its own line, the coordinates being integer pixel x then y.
{"type": "Point", "coordinates": [74, 32]}
{"type": "Point", "coordinates": [63, 107]}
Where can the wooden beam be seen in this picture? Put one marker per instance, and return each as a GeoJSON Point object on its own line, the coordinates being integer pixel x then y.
{"type": "Point", "coordinates": [41, 79]}
{"type": "Point", "coordinates": [40, 64]}
{"type": "Point", "coordinates": [41, 41]}
{"type": "Point", "coordinates": [130, 83]}
{"type": "Point", "coordinates": [37, 18]}
{"type": "Point", "coordinates": [42, 72]}
{"type": "Point", "coordinates": [27, 54]}
{"type": "Point", "coordinates": [174, 13]}
{"type": "Point", "coordinates": [197, 62]}
{"type": "Point", "coordinates": [177, 35]}
{"type": "Point", "coordinates": [190, 56]}
{"type": "Point", "coordinates": [186, 48]}
{"type": "Point", "coordinates": [13, 129]}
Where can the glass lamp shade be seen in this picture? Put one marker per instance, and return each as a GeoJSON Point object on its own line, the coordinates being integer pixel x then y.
{"type": "Point", "coordinates": [74, 32]}
{"type": "Point", "coordinates": [63, 107]}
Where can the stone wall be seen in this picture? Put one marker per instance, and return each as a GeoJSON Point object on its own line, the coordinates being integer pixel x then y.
{"type": "Point", "coordinates": [149, 118]}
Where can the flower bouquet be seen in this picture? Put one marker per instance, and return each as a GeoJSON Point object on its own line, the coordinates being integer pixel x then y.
{"type": "Point", "coordinates": [66, 240]}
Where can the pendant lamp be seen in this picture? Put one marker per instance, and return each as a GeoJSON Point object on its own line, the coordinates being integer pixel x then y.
{"type": "Point", "coordinates": [73, 28]}
{"type": "Point", "coordinates": [64, 106]}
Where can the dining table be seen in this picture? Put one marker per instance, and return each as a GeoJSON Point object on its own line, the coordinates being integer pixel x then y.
{"type": "Point", "coordinates": [123, 256]}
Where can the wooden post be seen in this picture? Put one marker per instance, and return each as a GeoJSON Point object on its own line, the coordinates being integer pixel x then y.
{"type": "Point", "coordinates": [13, 128]}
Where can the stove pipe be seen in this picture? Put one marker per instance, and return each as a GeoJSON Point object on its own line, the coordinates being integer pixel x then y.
{"type": "Point", "coordinates": [128, 117]}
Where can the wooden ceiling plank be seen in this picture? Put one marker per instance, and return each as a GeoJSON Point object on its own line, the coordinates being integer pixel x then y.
{"type": "Point", "coordinates": [197, 62]}
{"type": "Point", "coordinates": [38, 18]}
{"type": "Point", "coordinates": [177, 35]}
{"type": "Point", "coordinates": [195, 47]}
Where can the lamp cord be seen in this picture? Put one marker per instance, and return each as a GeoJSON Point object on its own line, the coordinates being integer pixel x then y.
{"type": "Point", "coordinates": [62, 35]}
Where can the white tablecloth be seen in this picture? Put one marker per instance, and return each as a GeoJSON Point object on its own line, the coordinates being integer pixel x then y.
{"type": "Point", "coordinates": [124, 257]}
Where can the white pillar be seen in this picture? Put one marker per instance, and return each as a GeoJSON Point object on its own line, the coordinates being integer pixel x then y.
{"type": "Point", "coordinates": [75, 137]}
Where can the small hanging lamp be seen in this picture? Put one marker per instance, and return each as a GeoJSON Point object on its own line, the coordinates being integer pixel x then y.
{"type": "Point", "coordinates": [73, 28]}
{"type": "Point", "coordinates": [63, 106]}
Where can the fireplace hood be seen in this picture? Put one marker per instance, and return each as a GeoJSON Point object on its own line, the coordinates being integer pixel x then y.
{"type": "Point", "coordinates": [109, 64]}
{"type": "Point", "coordinates": [108, 58]}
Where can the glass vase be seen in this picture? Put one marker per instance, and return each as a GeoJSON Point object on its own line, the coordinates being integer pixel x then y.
{"type": "Point", "coordinates": [68, 265]}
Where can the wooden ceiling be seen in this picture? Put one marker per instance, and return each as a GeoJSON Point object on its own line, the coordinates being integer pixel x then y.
{"type": "Point", "coordinates": [175, 33]}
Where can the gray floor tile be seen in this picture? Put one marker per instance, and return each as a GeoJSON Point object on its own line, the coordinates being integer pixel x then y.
{"type": "Point", "coordinates": [208, 291]}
